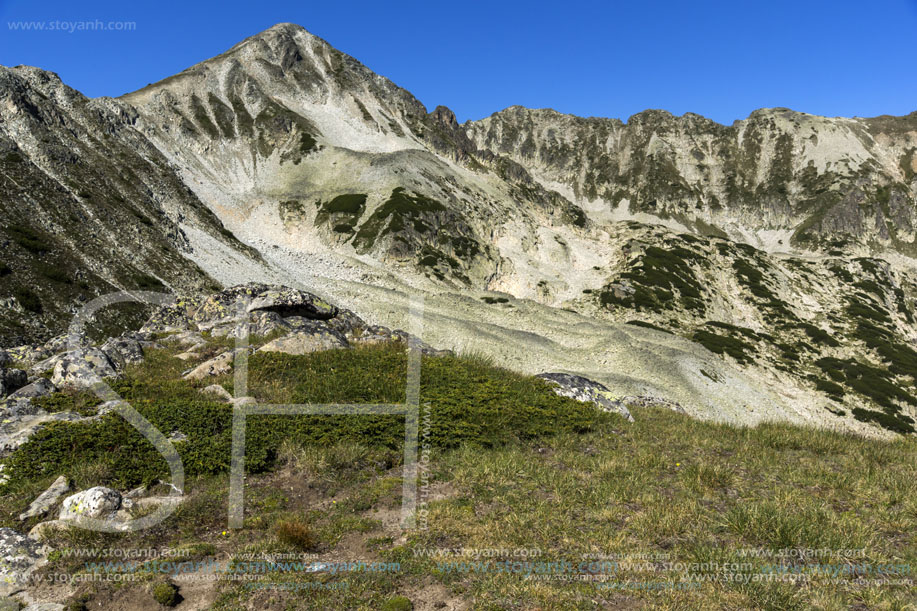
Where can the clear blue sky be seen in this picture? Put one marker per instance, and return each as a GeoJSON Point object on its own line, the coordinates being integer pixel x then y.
{"type": "Point", "coordinates": [612, 59]}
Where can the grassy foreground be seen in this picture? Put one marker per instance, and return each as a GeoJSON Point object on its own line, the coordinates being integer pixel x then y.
{"type": "Point", "coordinates": [533, 501]}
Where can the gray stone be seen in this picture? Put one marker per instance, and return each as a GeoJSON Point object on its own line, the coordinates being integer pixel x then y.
{"type": "Point", "coordinates": [217, 392]}
{"type": "Point", "coordinates": [45, 607]}
{"type": "Point", "coordinates": [13, 407]}
{"type": "Point", "coordinates": [20, 556]}
{"type": "Point", "coordinates": [224, 307]}
{"type": "Point", "coordinates": [314, 339]}
{"type": "Point", "coordinates": [44, 531]}
{"type": "Point", "coordinates": [83, 368]}
{"type": "Point", "coordinates": [218, 365]}
{"type": "Point", "coordinates": [123, 351]}
{"type": "Point", "coordinates": [586, 390]}
{"type": "Point", "coordinates": [39, 388]}
{"type": "Point", "coordinates": [12, 380]}
{"type": "Point", "coordinates": [41, 505]}
{"type": "Point", "coordinates": [15, 431]}
{"type": "Point", "coordinates": [98, 502]}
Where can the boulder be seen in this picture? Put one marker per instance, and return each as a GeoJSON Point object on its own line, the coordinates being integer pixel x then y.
{"type": "Point", "coordinates": [28, 354]}
{"type": "Point", "coordinates": [16, 430]}
{"type": "Point", "coordinates": [261, 324]}
{"type": "Point", "coordinates": [586, 390]}
{"type": "Point", "coordinates": [98, 502]}
{"type": "Point", "coordinates": [173, 317]}
{"type": "Point", "coordinates": [217, 392]}
{"type": "Point", "coordinates": [311, 338]}
{"type": "Point", "coordinates": [218, 365]}
{"type": "Point", "coordinates": [45, 364]}
{"type": "Point", "coordinates": [123, 351]}
{"type": "Point", "coordinates": [13, 407]}
{"type": "Point", "coordinates": [39, 388]}
{"type": "Point", "coordinates": [12, 380]}
{"type": "Point", "coordinates": [83, 368]}
{"type": "Point", "coordinates": [346, 323]}
{"type": "Point", "coordinates": [41, 505]}
{"type": "Point", "coordinates": [44, 531]}
{"type": "Point", "coordinates": [222, 308]}
{"type": "Point", "coordinates": [20, 556]}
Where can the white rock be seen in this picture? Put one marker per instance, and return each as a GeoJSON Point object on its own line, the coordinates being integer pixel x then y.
{"type": "Point", "coordinates": [98, 502]}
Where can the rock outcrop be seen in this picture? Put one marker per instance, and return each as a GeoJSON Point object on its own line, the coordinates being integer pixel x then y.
{"type": "Point", "coordinates": [583, 389]}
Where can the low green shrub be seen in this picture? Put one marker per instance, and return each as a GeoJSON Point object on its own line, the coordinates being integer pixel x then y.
{"type": "Point", "coordinates": [463, 401]}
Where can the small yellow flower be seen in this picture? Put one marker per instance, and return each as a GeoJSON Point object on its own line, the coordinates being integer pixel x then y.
{"type": "Point", "coordinates": [678, 464]}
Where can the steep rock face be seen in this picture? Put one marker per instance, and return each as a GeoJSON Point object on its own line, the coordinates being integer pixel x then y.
{"type": "Point", "coordinates": [290, 141]}
{"type": "Point", "coordinates": [88, 206]}
{"type": "Point", "coordinates": [778, 179]}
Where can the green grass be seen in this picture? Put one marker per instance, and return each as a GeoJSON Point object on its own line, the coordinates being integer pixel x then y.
{"type": "Point", "coordinates": [466, 399]}
{"type": "Point", "coordinates": [512, 466]}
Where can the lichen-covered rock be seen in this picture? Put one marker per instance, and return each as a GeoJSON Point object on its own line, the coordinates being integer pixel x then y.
{"type": "Point", "coordinates": [122, 351]}
{"type": "Point", "coordinates": [44, 531]}
{"type": "Point", "coordinates": [586, 390]}
{"type": "Point", "coordinates": [347, 323]}
{"type": "Point", "coordinates": [218, 365]}
{"type": "Point", "coordinates": [98, 502]}
{"type": "Point", "coordinates": [39, 388]}
{"type": "Point", "coordinates": [173, 317]}
{"type": "Point", "coordinates": [260, 324]}
{"type": "Point", "coordinates": [42, 505]}
{"type": "Point", "coordinates": [20, 556]}
{"type": "Point", "coordinates": [28, 354]}
{"type": "Point", "coordinates": [307, 338]}
{"type": "Point", "coordinates": [12, 380]}
{"type": "Point", "coordinates": [16, 429]}
{"type": "Point", "coordinates": [83, 368]}
{"type": "Point", "coordinates": [217, 392]}
{"type": "Point", "coordinates": [224, 306]}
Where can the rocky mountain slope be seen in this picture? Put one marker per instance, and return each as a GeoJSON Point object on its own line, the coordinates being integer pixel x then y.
{"type": "Point", "coordinates": [89, 206]}
{"type": "Point", "coordinates": [765, 267]}
{"type": "Point", "coordinates": [778, 180]}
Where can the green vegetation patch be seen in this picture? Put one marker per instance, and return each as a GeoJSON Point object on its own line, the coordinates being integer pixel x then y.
{"type": "Point", "coordinates": [872, 382]}
{"type": "Point", "coordinates": [647, 325]}
{"type": "Point", "coordinates": [29, 301]}
{"type": "Point", "coordinates": [343, 212]}
{"type": "Point", "coordinates": [662, 280]}
{"type": "Point", "coordinates": [722, 344]}
{"type": "Point", "coordinates": [467, 401]}
{"type": "Point", "coordinates": [754, 280]}
{"type": "Point", "coordinates": [28, 238]}
{"type": "Point", "coordinates": [402, 211]}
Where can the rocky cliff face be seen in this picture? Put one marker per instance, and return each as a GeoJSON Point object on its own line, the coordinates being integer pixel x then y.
{"type": "Point", "coordinates": [756, 271]}
{"type": "Point", "coordinates": [88, 205]}
{"type": "Point", "coordinates": [778, 180]}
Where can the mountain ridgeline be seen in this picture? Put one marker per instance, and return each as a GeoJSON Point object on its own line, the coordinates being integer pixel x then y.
{"type": "Point", "coordinates": [774, 253]}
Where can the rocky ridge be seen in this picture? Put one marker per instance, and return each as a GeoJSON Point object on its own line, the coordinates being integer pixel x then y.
{"type": "Point", "coordinates": [532, 236]}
